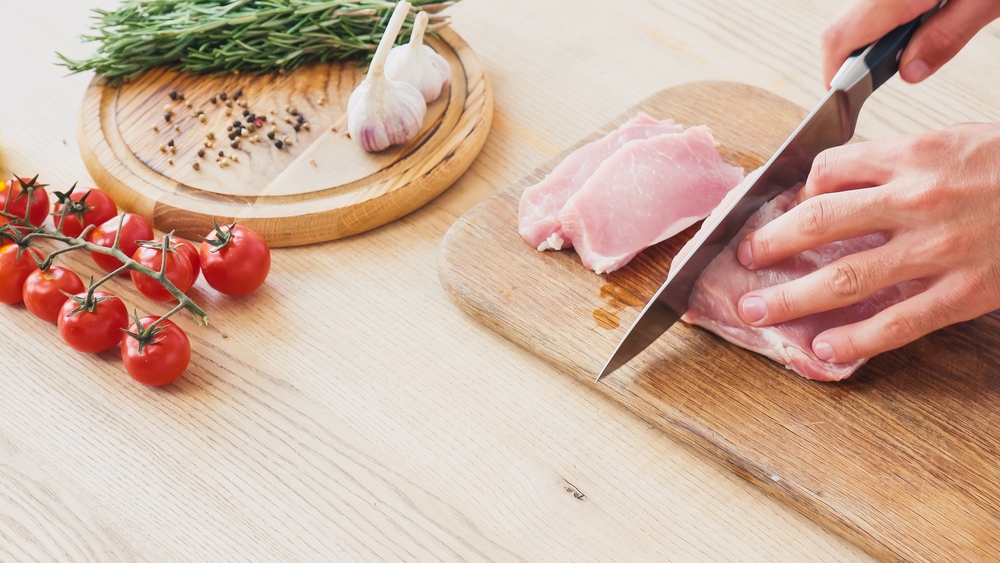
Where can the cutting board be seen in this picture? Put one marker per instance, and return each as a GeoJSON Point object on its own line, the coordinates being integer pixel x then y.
{"type": "Point", "coordinates": [903, 458]}
{"type": "Point", "coordinates": [319, 185]}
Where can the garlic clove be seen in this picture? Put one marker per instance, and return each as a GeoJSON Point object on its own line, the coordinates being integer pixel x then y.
{"type": "Point", "coordinates": [418, 64]}
{"type": "Point", "coordinates": [383, 112]}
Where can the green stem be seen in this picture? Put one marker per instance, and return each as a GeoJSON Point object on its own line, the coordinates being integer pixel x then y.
{"type": "Point", "coordinates": [128, 264]}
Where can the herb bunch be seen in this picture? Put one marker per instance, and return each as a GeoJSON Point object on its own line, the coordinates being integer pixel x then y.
{"type": "Point", "coordinates": [253, 36]}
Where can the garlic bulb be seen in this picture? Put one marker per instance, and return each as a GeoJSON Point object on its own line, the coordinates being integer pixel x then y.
{"type": "Point", "coordinates": [382, 112]}
{"type": "Point", "coordinates": [418, 64]}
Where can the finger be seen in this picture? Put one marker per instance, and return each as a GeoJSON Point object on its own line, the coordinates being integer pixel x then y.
{"type": "Point", "coordinates": [849, 167]}
{"type": "Point", "coordinates": [943, 35]}
{"type": "Point", "coordinates": [861, 22]}
{"type": "Point", "coordinates": [844, 282]}
{"type": "Point", "coordinates": [896, 326]}
{"type": "Point", "coordinates": [818, 220]}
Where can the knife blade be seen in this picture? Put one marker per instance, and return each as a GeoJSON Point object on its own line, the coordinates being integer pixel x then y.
{"type": "Point", "coordinates": [831, 123]}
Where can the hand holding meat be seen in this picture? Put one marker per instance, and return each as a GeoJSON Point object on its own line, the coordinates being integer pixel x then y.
{"type": "Point", "coordinates": [935, 43]}
{"type": "Point", "coordinates": [935, 197]}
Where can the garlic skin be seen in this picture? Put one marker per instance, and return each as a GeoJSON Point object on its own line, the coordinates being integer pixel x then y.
{"type": "Point", "coordinates": [418, 64]}
{"type": "Point", "coordinates": [382, 112]}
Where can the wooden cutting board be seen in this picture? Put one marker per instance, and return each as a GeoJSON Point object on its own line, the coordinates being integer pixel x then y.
{"type": "Point", "coordinates": [318, 187]}
{"type": "Point", "coordinates": [903, 458]}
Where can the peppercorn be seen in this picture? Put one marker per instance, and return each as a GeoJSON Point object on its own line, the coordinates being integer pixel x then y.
{"type": "Point", "coordinates": [213, 100]}
{"type": "Point", "coordinates": [237, 123]}
{"type": "Point", "coordinates": [297, 126]}
{"type": "Point", "coordinates": [279, 144]}
{"type": "Point", "coordinates": [270, 134]}
{"type": "Point", "coordinates": [246, 112]}
{"type": "Point", "coordinates": [201, 153]}
{"type": "Point", "coordinates": [235, 144]}
{"type": "Point", "coordinates": [223, 96]}
{"type": "Point", "coordinates": [166, 117]}
{"type": "Point", "coordinates": [173, 94]}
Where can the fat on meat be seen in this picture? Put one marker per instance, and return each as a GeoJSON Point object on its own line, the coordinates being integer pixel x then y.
{"type": "Point", "coordinates": [538, 210]}
{"type": "Point", "coordinates": [717, 292]}
{"type": "Point", "coordinates": [646, 192]}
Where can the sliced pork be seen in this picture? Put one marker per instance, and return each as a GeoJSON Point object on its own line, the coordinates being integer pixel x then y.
{"type": "Point", "coordinates": [538, 221]}
{"type": "Point", "coordinates": [717, 293]}
{"type": "Point", "coordinates": [647, 191]}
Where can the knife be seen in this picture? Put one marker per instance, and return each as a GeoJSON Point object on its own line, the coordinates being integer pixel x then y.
{"type": "Point", "coordinates": [830, 124]}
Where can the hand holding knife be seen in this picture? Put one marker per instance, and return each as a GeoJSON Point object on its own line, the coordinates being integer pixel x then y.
{"type": "Point", "coordinates": [831, 123]}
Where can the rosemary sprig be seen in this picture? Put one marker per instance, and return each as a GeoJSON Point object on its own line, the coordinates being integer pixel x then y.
{"type": "Point", "coordinates": [254, 36]}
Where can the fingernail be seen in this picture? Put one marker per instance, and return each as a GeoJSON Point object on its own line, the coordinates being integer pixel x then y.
{"type": "Point", "coordinates": [917, 70]}
{"type": "Point", "coordinates": [744, 255]}
{"type": "Point", "coordinates": [823, 351]}
{"type": "Point", "coordinates": [753, 309]}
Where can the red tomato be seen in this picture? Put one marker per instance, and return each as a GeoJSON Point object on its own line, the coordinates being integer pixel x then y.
{"type": "Point", "coordinates": [45, 291]}
{"type": "Point", "coordinates": [96, 329]}
{"type": "Point", "coordinates": [25, 198]}
{"type": "Point", "coordinates": [162, 360]}
{"type": "Point", "coordinates": [14, 270]}
{"type": "Point", "coordinates": [134, 228]}
{"type": "Point", "coordinates": [235, 260]}
{"type": "Point", "coordinates": [89, 206]}
{"type": "Point", "coordinates": [187, 248]}
{"type": "Point", "coordinates": [179, 272]}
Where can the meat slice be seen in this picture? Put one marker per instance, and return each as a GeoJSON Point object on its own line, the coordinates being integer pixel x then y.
{"type": "Point", "coordinates": [647, 191]}
{"type": "Point", "coordinates": [538, 221]}
{"type": "Point", "coordinates": [717, 292]}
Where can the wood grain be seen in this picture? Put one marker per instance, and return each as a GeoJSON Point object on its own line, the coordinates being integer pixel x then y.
{"type": "Point", "coordinates": [319, 186]}
{"type": "Point", "coordinates": [900, 459]}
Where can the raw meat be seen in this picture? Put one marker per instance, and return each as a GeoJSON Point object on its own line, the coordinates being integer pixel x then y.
{"type": "Point", "coordinates": [647, 191]}
{"type": "Point", "coordinates": [540, 204]}
{"type": "Point", "coordinates": [717, 292]}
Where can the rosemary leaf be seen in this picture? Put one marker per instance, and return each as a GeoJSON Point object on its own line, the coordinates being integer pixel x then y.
{"type": "Point", "coordinates": [252, 36]}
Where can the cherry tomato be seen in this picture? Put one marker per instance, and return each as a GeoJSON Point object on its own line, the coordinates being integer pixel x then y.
{"type": "Point", "coordinates": [235, 260]}
{"type": "Point", "coordinates": [134, 228]}
{"type": "Point", "coordinates": [14, 270]}
{"type": "Point", "coordinates": [89, 206]}
{"type": "Point", "coordinates": [45, 291]}
{"type": "Point", "coordinates": [93, 330]}
{"type": "Point", "coordinates": [163, 359]}
{"type": "Point", "coordinates": [179, 272]}
{"type": "Point", "coordinates": [25, 198]}
{"type": "Point", "coordinates": [187, 248]}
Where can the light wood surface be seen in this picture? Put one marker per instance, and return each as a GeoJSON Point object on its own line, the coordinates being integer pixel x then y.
{"type": "Point", "coordinates": [890, 459]}
{"type": "Point", "coordinates": [349, 410]}
{"type": "Point", "coordinates": [318, 186]}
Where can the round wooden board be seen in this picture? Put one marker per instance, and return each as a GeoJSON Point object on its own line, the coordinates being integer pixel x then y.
{"type": "Point", "coordinates": [320, 187]}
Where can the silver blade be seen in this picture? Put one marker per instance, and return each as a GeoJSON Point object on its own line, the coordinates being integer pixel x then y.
{"type": "Point", "coordinates": [830, 124]}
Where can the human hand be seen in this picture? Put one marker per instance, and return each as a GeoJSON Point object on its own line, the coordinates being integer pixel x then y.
{"type": "Point", "coordinates": [935, 196]}
{"type": "Point", "coordinates": [936, 41]}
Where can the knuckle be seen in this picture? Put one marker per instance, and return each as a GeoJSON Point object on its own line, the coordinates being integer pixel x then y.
{"type": "Point", "coordinates": [783, 303]}
{"type": "Point", "coordinates": [938, 40]}
{"type": "Point", "coordinates": [846, 280]}
{"type": "Point", "coordinates": [822, 166]}
{"type": "Point", "coordinates": [761, 244]}
{"type": "Point", "coordinates": [902, 329]}
{"type": "Point", "coordinates": [813, 217]}
{"type": "Point", "coordinates": [848, 347]}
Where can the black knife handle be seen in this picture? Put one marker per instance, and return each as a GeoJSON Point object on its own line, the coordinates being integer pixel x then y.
{"type": "Point", "coordinates": [883, 58]}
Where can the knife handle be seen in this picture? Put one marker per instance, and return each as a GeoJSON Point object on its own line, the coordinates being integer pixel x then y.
{"type": "Point", "coordinates": [881, 59]}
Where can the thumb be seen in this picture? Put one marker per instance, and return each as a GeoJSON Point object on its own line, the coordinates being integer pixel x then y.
{"type": "Point", "coordinates": [942, 36]}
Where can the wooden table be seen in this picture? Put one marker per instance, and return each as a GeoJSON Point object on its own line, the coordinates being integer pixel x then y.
{"type": "Point", "coordinates": [349, 410]}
